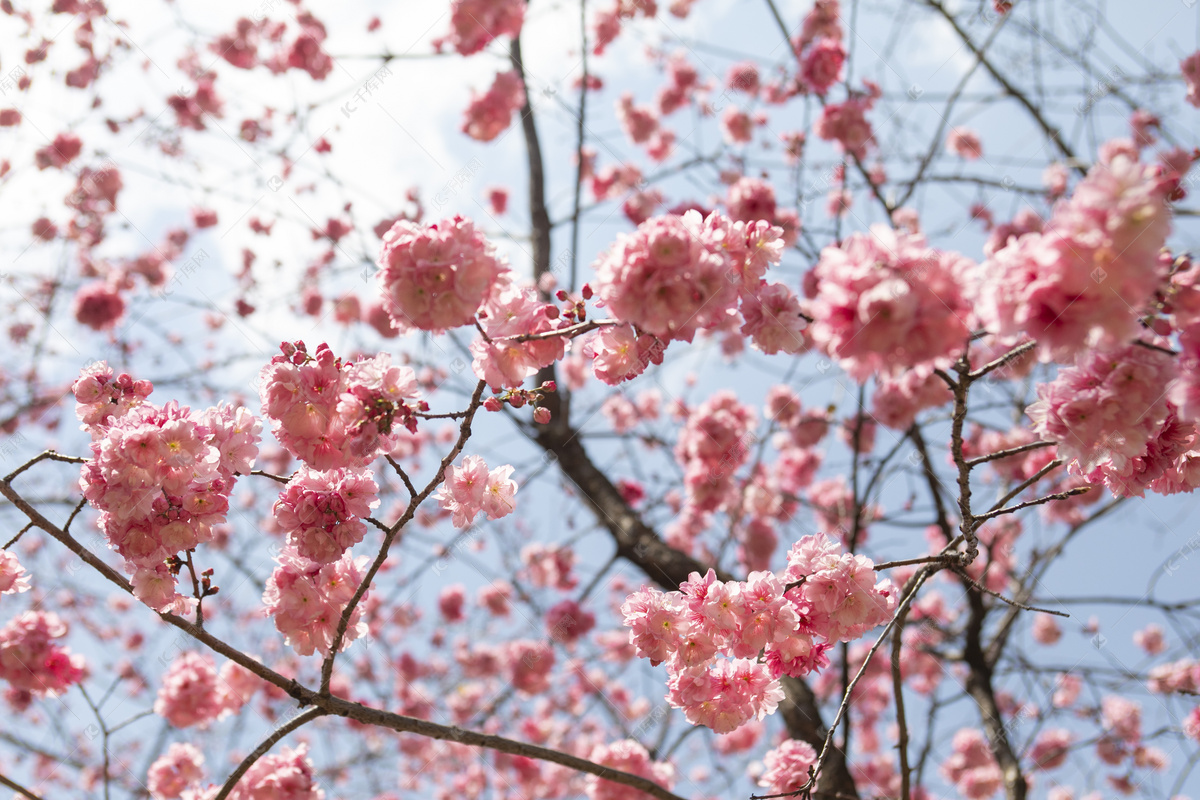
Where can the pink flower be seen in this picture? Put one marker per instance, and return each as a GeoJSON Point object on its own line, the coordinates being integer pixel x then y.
{"type": "Point", "coordinates": [964, 143]}
{"type": "Point", "coordinates": [322, 511]}
{"type": "Point", "coordinates": [846, 124]}
{"type": "Point", "coordinates": [568, 622]}
{"type": "Point", "coordinates": [743, 77]}
{"type": "Point", "coordinates": [619, 354]}
{"type": "Point", "coordinates": [437, 276]}
{"type": "Point", "coordinates": [189, 692]}
{"type": "Point", "coordinates": [307, 600]}
{"type": "Point", "coordinates": [475, 23]}
{"type": "Point", "coordinates": [549, 566]}
{"type": "Point", "coordinates": [773, 320]}
{"type": "Point", "coordinates": [737, 125]}
{"type": "Point", "coordinates": [529, 665]}
{"type": "Point", "coordinates": [971, 767]}
{"type": "Point", "coordinates": [1078, 284]}
{"type": "Point", "coordinates": [13, 578]}
{"type": "Point", "coordinates": [1085, 409]}
{"type": "Point", "coordinates": [886, 301]}
{"type": "Point", "coordinates": [99, 305]}
{"type": "Point", "coordinates": [1190, 67]}
{"type": "Point", "coordinates": [180, 768]}
{"type": "Point", "coordinates": [512, 312]}
{"type": "Point", "coordinates": [490, 114]}
{"type": "Point", "coordinates": [450, 602]}
{"type": "Point", "coordinates": [31, 661]}
{"type": "Point", "coordinates": [1122, 718]}
{"type": "Point", "coordinates": [471, 488]}
{"type": "Point", "coordinates": [638, 122]}
{"type": "Point", "coordinates": [1191, 725]}
{"type": "Point", "coordinates": [286, 775]}
{"type": "Point", "coordinates": [333, 414]}
{"type": "Point", "coordinates": [823, 65]}
{"type": "Point", "coordinates": [786, 767]}
{"type": "Point", "coordinates": [1050, 749]}
{"type": "Point", "coordinates": [1150, 639]}
{"type": "Point", "coordinates": [1046, 630]}
{"type": "Point", "coordinates": [626, 756]}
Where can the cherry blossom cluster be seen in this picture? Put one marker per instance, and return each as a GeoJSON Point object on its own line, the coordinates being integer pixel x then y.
{"type": "Point", "coordinates": [31, 661]}
{"type": "Point", "coordinates": [501, 360]}
{"type": "Point", "coordinates": [322, 512]}
{"type": "Point", "coordinates": [626, 755]}
{"type": "Point", "coordinates": [786, 766]}
{"type": "Point", "coordinates": [437, 276]}
{"type": "Point", "coordinates": [13, 578]}
{"type": "Point", "coordinates": [678, 274]}
{"type": "Point", "coordinates": [330, 413]}
{"type": "Point", "coordinates": [765, 627]}
{"type": "Point", "coordinates": [161, 477]}
{"type": "Point", "coordinates": [1079, 282]}
{"type": "Point", "coordinates": [1112, 422]}
{"type": "Point", "coordinates": [885, 301]}
{"type": "Point", "coordinates": [286, 775]}
{"type": "Point", "coordinates": [194, 692]}
{"type": "Point", "coordinates": [475, 23]}
{"type": "Point", "coordinates": [471, 488]}
{"type": "Point", "coordinates": [716, 441]}
{"type": "Point", "coordinates": [971, 768]}
{"type": "Point", "coordinates": [179, 769]}
{"type": "Point", "coordinates": [306, 599]}
{"type": "Point", "coordinates": [489, 114]}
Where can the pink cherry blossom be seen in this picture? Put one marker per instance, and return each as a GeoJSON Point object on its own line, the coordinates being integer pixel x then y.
{"type": "Point", "coordinates": [13, 577]}
{"type": "Point", "coordinates": [189, 692]}
{"type": "Point", "coordinates": [786, 766]}
{"type": "Point", "coordinates": [627, 756]}
{"type": "Point", "coordinates": [886, 301]}
{"type": "Point", "coordinates": [307, 600]}
{"type": "Point", "coordinates": [180, 768]}
{"type": "Point", "coordinates": [964, 143]}
{"type": "Point", "coordinates": [475, 23]}
{"type": "Point", "coordinates": [437, 276]}
{"type": "Point", "coordinates": [489, 114]}
{"type": "Point", "coordinates": [823, 65]}
{"type": "Point", "coordinates": [30, 660]}
{"type": "Point", "coordinates": [471, 488]}
{"type": "Point", "coordinates": [322, 512]}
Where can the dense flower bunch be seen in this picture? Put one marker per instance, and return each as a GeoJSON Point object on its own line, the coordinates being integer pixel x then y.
{"type": "Point", "coordinates": [886, 301]}
{"type": "Point", "coordinates": [30, 660]}
{"type": "Point", "coordinates": [676, 275]}
{"type": "Point", "coordinates": [714, 443]}
{"type": "Point", "coordinates": [13, 578]}
{"type": "Point", "coordinates": [620, 354]}
{"type": "Point", "coordinates": [322, 511]}
{"type": "Point", "coordinates": [175, 771]}
{"type": "Point", "coordinates": [286, 775]}
{"type": "Point", "coordinates": [512, 312]}
{"type": "Point", "coordinates": [1111, 419]}
{"type": "Point", "coordinates": [489, 114]}
{"type": "Point", "coordinates": [786, 766]}
{"type": "Point", "coordinates": [971, 767]}
{"type": "Point", "coordinates": [472, 488]}
{"type": "Point", "coordinates": [307, 599]}
{"type": "Point", "coordinates": [161, 477]}
{"type": "Point", "coordinates": [764, 629]}
{"type": "Point", "coordinates": [475, 23]}
{"type": "Point", "coordinates": [194, 692]}
{"type": "Point", "coordinates": [626, 755]}
{"type": "Point", "coordinates": [1081, 280]}
{"type": "Point", "coordinates": [436, 276]}
{"type": "Point", "coordinates": [330, 413]}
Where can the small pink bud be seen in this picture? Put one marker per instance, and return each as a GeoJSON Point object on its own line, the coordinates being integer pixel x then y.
{"type": "Point", "coordinates": [541, 415]}
{"type": "Point", "coordinates": [492, 404]}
